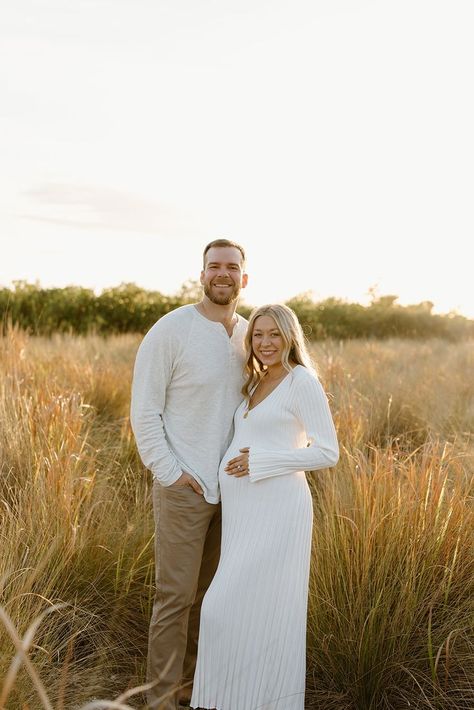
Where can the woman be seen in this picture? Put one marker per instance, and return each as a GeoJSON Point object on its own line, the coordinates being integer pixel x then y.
{"type": "Point", "coordinates": [252, 639]}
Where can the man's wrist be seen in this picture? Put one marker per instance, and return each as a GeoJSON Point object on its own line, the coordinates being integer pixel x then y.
{"type": "Point", "coordinates": [169, 481]}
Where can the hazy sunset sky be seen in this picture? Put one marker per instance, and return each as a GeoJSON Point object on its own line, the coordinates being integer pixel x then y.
{"type": "Point", "coordinates": [333, 138]}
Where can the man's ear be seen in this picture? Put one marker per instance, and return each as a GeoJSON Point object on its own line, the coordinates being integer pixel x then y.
{"type": "Point", "coordinates": [245, 279]}
{"type": "Point", "coordinates": [201, 278]}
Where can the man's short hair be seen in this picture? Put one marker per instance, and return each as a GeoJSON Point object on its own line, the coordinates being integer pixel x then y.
{"type": "Point", "coordinates": [223, 243]}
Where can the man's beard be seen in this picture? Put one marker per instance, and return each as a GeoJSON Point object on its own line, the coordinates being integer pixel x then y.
{"type": "Point", "coordinates": [224, 299]}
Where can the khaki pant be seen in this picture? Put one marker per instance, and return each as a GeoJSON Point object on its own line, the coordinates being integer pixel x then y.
{"type": "Point", "coordinates": [187, 548]}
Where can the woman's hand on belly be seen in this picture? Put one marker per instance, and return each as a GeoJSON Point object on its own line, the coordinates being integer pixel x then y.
{"type": "Point", "coordinates": [239, 466]}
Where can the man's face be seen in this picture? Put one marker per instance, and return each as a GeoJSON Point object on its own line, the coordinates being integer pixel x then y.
{"type": "Point", "coordinates": [223, 275]}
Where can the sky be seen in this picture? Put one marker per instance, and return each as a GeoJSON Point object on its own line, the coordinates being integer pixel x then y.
{"type": "Point", "coordinates": [333, 139]}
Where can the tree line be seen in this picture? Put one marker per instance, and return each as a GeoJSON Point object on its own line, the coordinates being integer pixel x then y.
{"type": "Point", "coordinates": [129, 308]}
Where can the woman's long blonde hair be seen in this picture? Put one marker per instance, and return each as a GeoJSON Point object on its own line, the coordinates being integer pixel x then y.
{"type": "Point", "coordinates": [295, 349]}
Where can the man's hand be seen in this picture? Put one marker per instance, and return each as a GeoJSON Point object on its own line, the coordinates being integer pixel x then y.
{"type": "Point", "coordinates": [187, 480]}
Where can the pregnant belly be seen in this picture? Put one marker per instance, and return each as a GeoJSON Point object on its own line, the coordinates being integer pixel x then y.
{"type": "Point", "coordinates": [287, 490]}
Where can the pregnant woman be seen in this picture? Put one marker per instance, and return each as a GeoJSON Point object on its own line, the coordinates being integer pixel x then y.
{"type": "Point", "coordinates": [252, 640]}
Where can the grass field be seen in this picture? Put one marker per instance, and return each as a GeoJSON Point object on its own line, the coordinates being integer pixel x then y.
{"type": "Point", "coordinates": [391, 609]}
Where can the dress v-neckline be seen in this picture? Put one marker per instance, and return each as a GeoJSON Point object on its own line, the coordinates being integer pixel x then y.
{"type": "Point", "coordinates": [250, 409]}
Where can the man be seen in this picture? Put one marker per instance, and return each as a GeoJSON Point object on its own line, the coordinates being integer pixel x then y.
{"type": "Point", "coordinates": [186, 386]}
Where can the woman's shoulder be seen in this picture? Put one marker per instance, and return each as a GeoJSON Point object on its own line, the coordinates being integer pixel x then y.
{"type": "Point", "coordinates": [303, 375]}
{"type": "Point", "coordinates": [305, 383]}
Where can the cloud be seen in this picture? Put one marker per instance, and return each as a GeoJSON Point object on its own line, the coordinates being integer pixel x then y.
{"type": "Point", "coordinates": [91, 207]}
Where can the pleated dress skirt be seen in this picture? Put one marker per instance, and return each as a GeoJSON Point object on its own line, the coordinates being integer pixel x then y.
{"type": "Point", "coordinates": [252, 641]}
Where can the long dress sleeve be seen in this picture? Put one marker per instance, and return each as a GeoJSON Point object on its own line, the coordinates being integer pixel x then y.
{"type": "Point", "coordinates": [310, 406]}
{"type": "Point", "coordinates": [152, 375]}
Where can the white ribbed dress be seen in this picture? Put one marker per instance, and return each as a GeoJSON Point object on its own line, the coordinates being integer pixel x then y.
{"type": "Point", "coordinates": [252, 640]}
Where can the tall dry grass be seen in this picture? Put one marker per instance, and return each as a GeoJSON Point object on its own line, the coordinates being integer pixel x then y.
{"type": "Point", "coordinates": [75, 525]}
{"type": "Point", "coordinates": [392, 588]}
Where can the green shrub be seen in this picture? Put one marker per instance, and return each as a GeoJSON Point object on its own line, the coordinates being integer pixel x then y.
{"type": "Point", "coordinates": [127, 308]}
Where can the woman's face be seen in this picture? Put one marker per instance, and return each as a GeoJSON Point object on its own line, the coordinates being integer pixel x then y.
{"type": "Point", "coordinates": [267, 341]}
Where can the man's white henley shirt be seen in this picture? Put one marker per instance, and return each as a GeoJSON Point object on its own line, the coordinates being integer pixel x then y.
{"type": "Point", "coordinates": [186, 387]}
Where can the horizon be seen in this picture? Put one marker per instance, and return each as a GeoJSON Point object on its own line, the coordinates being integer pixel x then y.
{"type": "Point", "coordinates": [373, 295]}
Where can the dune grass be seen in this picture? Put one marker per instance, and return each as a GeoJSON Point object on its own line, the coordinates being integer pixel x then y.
{"type": "Point", "coordinates": [391, 606]}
